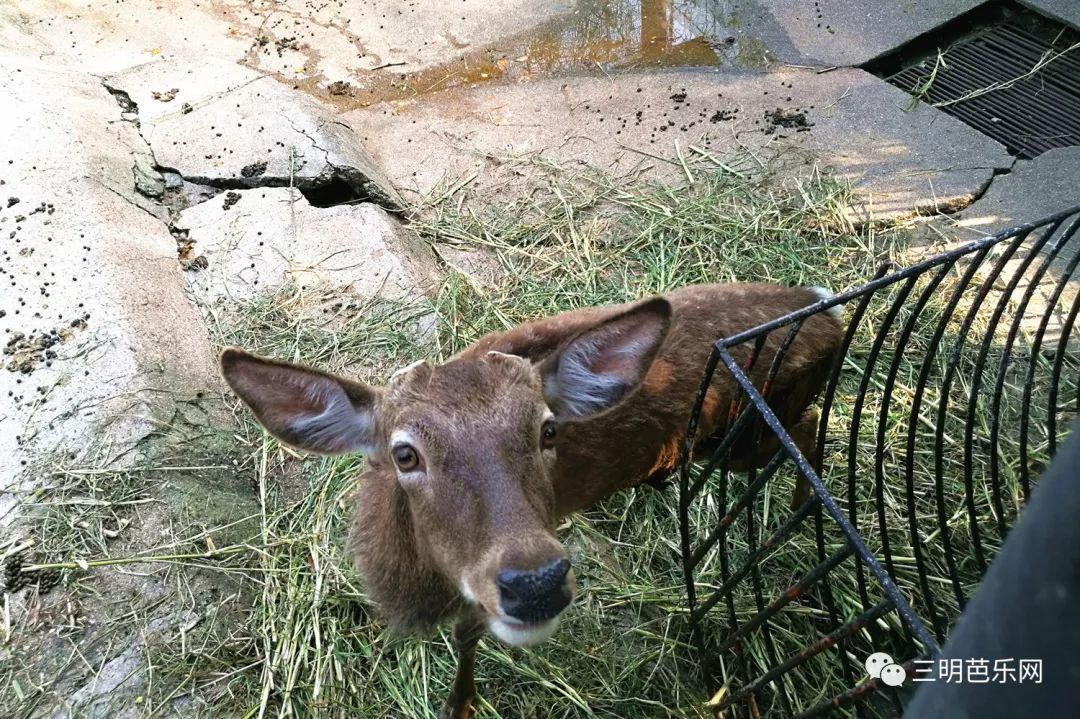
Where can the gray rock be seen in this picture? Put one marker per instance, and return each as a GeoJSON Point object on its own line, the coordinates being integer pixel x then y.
{"type": "Point", "coordinates": [173, 181]}
{"type": "Point", "coordinates": [91, 283]}
{"type": "Point", "coordinates": [899, 161]}
{"type": "Point", "coordinates": [148, 181]}
{"type": "Point", "coordinates": [256, 240]}
{"type": "Point", "coordinates": [242, 130]}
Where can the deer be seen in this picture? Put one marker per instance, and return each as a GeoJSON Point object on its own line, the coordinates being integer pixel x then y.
{"type": "Point", "coordinates": [472, 463]}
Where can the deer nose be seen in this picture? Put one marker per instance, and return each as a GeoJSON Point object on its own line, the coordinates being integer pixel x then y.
{"type": "Point", "coordinates": [535, 595]}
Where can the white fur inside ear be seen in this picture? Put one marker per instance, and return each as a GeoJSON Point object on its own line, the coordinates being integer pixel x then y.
{"type": "Point", "coordinates": [582, 391]}
{"type": "Point", "coordinates": [339, 426]}
{"type": "Point", "coordinates": [594, 371]}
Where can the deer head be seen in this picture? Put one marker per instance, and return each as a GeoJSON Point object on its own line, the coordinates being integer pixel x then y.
{"type": "Point", "coordinates": [456, 511]}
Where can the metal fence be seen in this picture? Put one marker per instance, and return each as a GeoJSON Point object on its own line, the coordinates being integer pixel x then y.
{"type": "Point", "coordinates": [953, 387]}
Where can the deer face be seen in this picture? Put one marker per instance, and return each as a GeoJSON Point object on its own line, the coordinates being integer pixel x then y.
{"type": "Point", "coordinates": [471, 447]}
{"type": "Point", "coordinates": [476, 467]}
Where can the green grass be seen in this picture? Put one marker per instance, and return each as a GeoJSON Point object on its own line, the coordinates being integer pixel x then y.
{"type": "Point", "coordinates": [593, 241]}
{"type": "Point", "coordinates": [292, 636]}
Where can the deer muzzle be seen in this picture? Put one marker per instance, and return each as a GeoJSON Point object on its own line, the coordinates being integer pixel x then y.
{"type": "Point", "coordinates": [535, 596]}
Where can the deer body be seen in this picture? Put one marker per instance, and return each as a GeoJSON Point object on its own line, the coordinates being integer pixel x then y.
{"type": "Point", "coordinates": [643, 436]}
{"type": "Point", "coordinates": [472, 463]}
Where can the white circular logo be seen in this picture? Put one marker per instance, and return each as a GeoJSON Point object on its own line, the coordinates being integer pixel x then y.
{"type": "Point", "coordinates": [881, 666]}
{"type": "Point", "coordinates": [893, 675]}
{"type": "Point", "coordinates": [876, 662]}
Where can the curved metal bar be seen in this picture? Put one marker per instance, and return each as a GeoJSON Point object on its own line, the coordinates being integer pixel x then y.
{"type": "Point", "coordinates": [750, 414]}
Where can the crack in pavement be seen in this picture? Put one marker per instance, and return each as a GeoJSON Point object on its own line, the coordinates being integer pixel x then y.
{"type": "Point", "coordinates": [345, 181]}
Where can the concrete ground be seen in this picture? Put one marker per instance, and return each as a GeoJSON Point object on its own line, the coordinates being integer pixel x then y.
{"type": "Point", "coordinates": [1033, 189]}
{"type": "Point", "coordinates": [1067, 11]}
{"type": "Point", "coordinates": [290, 38]}
{"type": "Point", "coordinates": [899, 161]}
{"type": "Point", "coordinates": [94, 302]}
{"type": "Point", "coordinates": [838, 32]}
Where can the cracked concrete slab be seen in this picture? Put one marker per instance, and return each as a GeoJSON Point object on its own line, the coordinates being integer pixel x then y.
{"type": "Point", "coordinates": [254, 241]}
{"type": "Point", "coordinates": [222, 134]}
{"type": "Point", "coordinates": [166, 89]}
{"type": "Point", "coordinates": [1033, 189]}
{"type": "Point", "coordinates": [900, 161]}
{"type": "Point", "coordinates": [93, 305]}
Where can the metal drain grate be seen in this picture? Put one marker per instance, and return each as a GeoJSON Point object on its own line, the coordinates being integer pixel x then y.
{"type": "Point", "coordinates": [1030, 115]}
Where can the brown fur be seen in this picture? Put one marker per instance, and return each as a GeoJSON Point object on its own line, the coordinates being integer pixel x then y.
{"type": "Point", "coordinates": [490, 490]}
{"type": "Point", "coordinates": [397, 542]}
{"type": "Point", "coordinates": [595, 459]}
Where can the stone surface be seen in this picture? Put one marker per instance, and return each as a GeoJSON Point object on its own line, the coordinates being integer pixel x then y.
{"type": "Point", "coordinates": [298, 40]}
{"type": "Point", "coordinates": [1033, 189]}
{"type": "Point", "coordinates": [1067, 11]}
{"type": "Point", "coordinates": [220, 133]}
{"type": "Point", "coordinates": [899, 161]}
{"type": "Point", "coordinates": [354, 52]}
{"type": "Point", "coordinates": [337, 40]}
{"type": "Point", "coordinates": [15, 33]}
{"type": "Point", "coordinates": [480, 268]}
{"type": "Point", "coordinates": [843, 32]}
{"type": "Point", "coordinates": [93, 306]}
{"type": "Point", "coordinates": [163, 90]}
{"type": "Point", "coordinates": [107, 37]}
{"type": "Point", "coordinates": [611, 36]}
{"type": "Point", "coordinates": [256, 240]}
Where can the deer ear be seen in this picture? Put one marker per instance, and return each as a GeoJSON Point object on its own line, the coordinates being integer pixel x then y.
{"type": "Point", "coordinates": [305, 408]}
{"type": "Point", "coordinates": [595, 370]}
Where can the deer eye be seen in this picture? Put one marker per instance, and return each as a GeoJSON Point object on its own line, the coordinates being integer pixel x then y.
{"type": "Point", "coordinates": [547, 435]}
{"type": "Point", "coordinates": [405, 457]}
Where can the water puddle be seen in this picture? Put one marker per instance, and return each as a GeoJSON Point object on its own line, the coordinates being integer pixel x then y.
{"type": "Point", "coordinates": [601, 36]}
